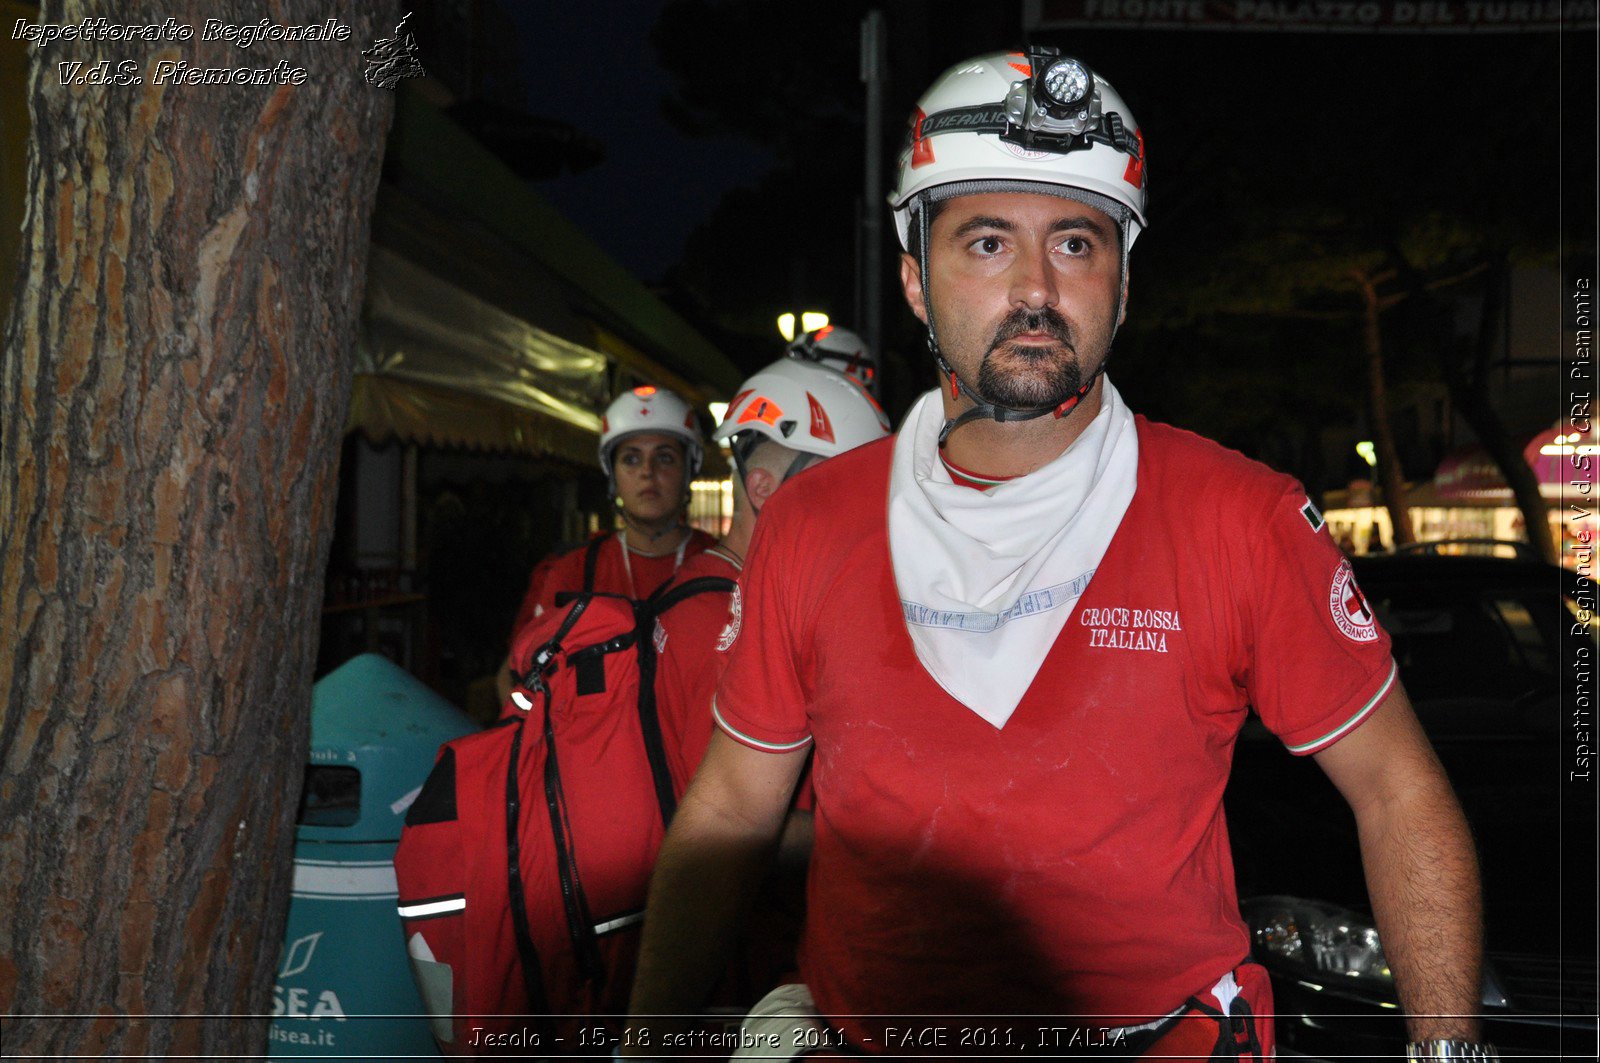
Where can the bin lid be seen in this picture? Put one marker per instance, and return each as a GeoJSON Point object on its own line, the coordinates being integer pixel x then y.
{"type": "Point", "coordinates": [374, 731]}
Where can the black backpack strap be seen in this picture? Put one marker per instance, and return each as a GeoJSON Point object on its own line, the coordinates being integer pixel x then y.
{"type": "Point", "coordinates": [580, 925]}
{"type": "Point", "coordinates": [590, 660]}
{"type": "Point", "coordinates": [580, 922]}
{"type": "Point", "coordinates": [591, 560]}
{"type": "Point", "coordinates": [671, 594]}
{"type": "Point", "coordinates": [534, 677]}
{"type": "Point", "coordinates": [648, 612]}
{"type": "Point", "coordinates": [527, 952]}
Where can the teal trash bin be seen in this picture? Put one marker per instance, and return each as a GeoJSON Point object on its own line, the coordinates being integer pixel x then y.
{"type": "Point", "coordinates": [374, 731]}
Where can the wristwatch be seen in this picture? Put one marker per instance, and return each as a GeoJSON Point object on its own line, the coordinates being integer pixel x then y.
{"type": "Point", "coordinates": [1451, 1050]}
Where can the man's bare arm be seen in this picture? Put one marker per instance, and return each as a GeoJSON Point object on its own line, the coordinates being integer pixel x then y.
{"type": "Point", "coordinates": [1421, 869]}
{"type": "Point", "coordinates": [711, 863]}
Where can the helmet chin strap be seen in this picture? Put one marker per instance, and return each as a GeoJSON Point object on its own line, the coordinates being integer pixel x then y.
{"type": "Point", "coordinates": [988, 410]}
{"type": "Point", "coordinates": [985, 408]}
{"type": "Point", "coordinates": [634, 524]}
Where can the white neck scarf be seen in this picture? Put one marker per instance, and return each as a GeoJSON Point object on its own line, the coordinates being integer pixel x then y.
{"type": "Point", "coordinates": [987, 579]}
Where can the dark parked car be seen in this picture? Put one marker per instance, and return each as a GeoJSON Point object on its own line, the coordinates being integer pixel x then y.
{"type": "Point", "coordinates": [1493, 653]}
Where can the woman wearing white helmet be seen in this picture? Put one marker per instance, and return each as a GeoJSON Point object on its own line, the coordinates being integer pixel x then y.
{"type": "Point", "coordinates": [650, 451]}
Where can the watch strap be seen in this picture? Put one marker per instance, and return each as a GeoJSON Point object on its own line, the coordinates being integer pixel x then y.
{"type": "Point", "coordinates": [1445, 1049]}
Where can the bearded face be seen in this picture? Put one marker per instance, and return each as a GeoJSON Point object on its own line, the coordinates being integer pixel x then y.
{"type": "Point", "coordinates": [1025, 291]}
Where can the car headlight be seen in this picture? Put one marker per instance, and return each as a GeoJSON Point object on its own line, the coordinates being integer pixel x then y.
{"type": "Point", "coordinates": [1326, 946]}
{"type": "Point", "coordinates": [1316, 940]}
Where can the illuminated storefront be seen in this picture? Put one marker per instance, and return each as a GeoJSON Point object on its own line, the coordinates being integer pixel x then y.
{"type": "Point", "coordinates": [1468, 499]}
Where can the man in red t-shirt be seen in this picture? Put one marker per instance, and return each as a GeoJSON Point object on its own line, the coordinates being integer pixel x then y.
{"type": "Point", "coordinates": [768, 448]}
{"type": "Point", "coordinates": [1021, 640]}
{"type": "Point", "coordinates": [650, 451]}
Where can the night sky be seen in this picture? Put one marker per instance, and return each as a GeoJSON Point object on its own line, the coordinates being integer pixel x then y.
{"type": "Point", "coordinates": [1274, 158]}
{"type": "Point", "coordinates": [591, 64]}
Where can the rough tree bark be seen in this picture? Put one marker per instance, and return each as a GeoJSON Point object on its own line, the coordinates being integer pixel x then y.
{"type": "Point", "coordinates": [1390, 475]}
{"type": "Point", "coordinates": [174, 382]}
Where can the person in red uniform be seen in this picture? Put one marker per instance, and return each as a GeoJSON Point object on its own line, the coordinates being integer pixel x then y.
{"type": "Point", "coordinates": [1021, 639]}
{"type": "Point", "coordinates": [788, 417]}
{"type": "Point", "coordinates": [650, 451]}
{"type": "Point", "coordinates": [784, 419]}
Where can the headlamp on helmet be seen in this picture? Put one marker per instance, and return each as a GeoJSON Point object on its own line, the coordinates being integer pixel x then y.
{"type": "Point", "coordinates": [1064, 84]}
{"type": "Point", "coordinates": [1059, 108]}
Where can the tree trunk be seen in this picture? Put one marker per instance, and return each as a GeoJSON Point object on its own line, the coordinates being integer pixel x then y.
{"type": "Point", "coordinates": [1390, 475]}
{"type": "Point", "coordinates": [174, 382]}
{"type": "Point", "coordinates": [1469, 391]}
{"type": "Point", "coordinates": [1480, 414]}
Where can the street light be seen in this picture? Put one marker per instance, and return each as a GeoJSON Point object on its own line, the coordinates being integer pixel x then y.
{"type": "Point", "coordinates": [1368, 452]}
{"type": "Point", "coordinates": [810, 321]}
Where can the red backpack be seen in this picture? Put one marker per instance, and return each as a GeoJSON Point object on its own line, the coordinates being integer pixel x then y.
{"type": "Point", "coordinates": [525, 860]}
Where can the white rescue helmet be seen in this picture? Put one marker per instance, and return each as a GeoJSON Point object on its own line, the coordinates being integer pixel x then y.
{"type": "Point", "coordinates": [837, 348]}
{"type": "Point", "coordinates": [804, 406]}
{"type": "Point", "coordinates": [1009, 120]}
{"type": "Point", "coordinates": [650, 409]}
{"type": "Point", "coordinates": [1034, 122]}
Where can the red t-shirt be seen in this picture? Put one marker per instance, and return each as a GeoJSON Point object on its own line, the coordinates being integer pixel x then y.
{"type": "Point", "coordinates": [1075, 861]}
{"type": "Point", "coordinates": [692, 640]}
{"type": "Point", "coordinates": [564, 572]}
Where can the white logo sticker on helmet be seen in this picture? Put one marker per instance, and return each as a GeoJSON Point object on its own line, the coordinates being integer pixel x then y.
{"type": "Point", "coordinates": [1021, 152]}
{"type": "Point", "coordinates": [1349, 607]}
{"type": "Point", "coordinates": [730, 633]}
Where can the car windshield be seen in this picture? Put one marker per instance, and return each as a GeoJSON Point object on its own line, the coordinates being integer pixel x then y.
{"type": "Point", "coordinates": [1464, 641]}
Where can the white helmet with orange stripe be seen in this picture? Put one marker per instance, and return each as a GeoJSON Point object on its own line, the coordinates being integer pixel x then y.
{"type": "Point", "coordinates": [805, 407]}
{"type": "Point", "coordinates": [1033, 122]}
{"type": "Point", "coordinates": [650, 409]}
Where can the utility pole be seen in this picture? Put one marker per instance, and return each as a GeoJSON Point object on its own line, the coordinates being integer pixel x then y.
{"type": "Point", "coordinates": [874, 74]}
